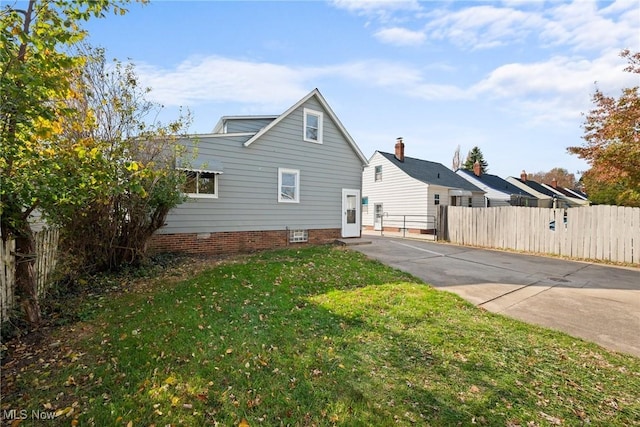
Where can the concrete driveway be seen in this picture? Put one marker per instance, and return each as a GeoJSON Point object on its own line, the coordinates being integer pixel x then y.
{"type": "Point", "coordinates": [590, 301]}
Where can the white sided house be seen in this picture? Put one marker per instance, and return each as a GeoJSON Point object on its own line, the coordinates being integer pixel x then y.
{"type": "Point", "coordinates": [499, 192]}
{"type": "Point", "coordinates": [403, 193]}
{"type": "Point", "coordinates": [261, 182]}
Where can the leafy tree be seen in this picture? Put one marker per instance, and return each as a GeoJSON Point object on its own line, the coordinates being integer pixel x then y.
{"type": "Point", "coordinates": [475, 155]}
{"type": "Point", "coordinates": [561, 175]}
{"type": "Point", "coordinates": [612, 141]}
{"type": "Point", "coordinates": [601, 192]}
{"type": "Point", "coordinates": [39, 171]}
{"type": "Point", "coordinates": [139, 183]}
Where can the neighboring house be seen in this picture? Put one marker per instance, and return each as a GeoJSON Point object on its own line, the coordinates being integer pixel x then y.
{"type": "Point", "coordinates": [499, 192]}
{"type": "Point", "coordinates": [573, 198]}
{"type": "Point", "coordinates": [578, 193]}
{"type": "Point", "coordinates": [404, 193]}
{"type": "Point", "coordinates": [261, 182]}
{"type": "Point", "coordinates": [547, 197]}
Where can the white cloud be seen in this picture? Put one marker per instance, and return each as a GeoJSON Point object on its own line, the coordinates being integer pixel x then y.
{"type": "Point", "coordinates": [378, 10]}
{"type": "Point", "coordinates": [375, 6]}
{"type": "Point", "coordinates": [554, 90]}
{"type": "Point", "coordinates": [400, 36]}
{"type": "Point", "coordinates": [482, 27]}
{"type": "Point", "coordinates": [217, 79]}
{"type": "Point", "coordinates": [400, 78]}
{"type": "Point", "coordinates": [584, 27]}
{"type": "Point", "coordinates": [558, 75]}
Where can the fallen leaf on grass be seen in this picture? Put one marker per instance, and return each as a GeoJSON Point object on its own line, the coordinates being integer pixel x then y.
{"type": "Point", "coordinates": [553, 420]}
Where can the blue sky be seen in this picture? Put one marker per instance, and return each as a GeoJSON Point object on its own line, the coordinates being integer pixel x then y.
{"type": "Point", "coordinates": [511, 77]}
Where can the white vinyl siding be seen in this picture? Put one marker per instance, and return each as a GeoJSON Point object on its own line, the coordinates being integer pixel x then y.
{"type": "Point", "coordinates": [401, 194]}
{"type": "Point", "coordinates": [404, 195]}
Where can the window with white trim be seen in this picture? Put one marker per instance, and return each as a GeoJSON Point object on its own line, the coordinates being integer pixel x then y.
{"type": "Point", "coordinates": [312, 126]}
{"type": "Point", "coordinates": [288, 185]}
{"type": "Point", "coordinates": [201, 184]}
{"type": "Point", "coordinates": [436, 199]}
{"type": "Point", "coordinates": [378, 173]}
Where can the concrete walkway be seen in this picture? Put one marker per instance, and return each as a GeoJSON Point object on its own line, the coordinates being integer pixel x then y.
{"type": "Point", "coordinates": [591, 301]}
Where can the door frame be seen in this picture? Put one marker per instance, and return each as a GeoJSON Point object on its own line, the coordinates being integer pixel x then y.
{"type": "Point", "coordinates": [377, 216]}
{"type": "Point", "coordinates": [351, 229]}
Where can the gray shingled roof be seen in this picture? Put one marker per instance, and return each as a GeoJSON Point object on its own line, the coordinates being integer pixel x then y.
{"type": "Point", "coordinates": [431, 173]}
{"type": "Point", "coordinates": [537, 187]}
{"type": "Point", "coordinates": [497, 183]}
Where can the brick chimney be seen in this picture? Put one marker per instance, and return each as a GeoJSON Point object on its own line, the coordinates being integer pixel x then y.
{"type": "Point", "coordinates": [476, 168]}
{"type": "Point", "coordinates": [399, 149]}
{"type": "Point", "coordinates": [554, 183]}
{"type": "Point", "coordinates": [523, 176]}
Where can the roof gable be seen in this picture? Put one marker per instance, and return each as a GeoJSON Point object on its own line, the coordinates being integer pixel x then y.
{"type": "Point", "coordinates": [496, 183]}
{"type": "Point", "coordinates": [221, 126]}
{"type": "Point", "coordinates": [431, 172]}
{"type": "Point", "coordinates": [314, 93]}
{"type": "Point", "coordinates": [537, 187]}
{"type": "Point", "coordinates": [578, 193]}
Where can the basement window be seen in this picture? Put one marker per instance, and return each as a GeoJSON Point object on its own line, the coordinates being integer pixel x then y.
{"type": "Point", "coordinates": [298, 236]}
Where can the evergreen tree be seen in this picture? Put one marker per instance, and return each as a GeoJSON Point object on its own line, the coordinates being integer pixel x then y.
{"type": "Point", "coordinates": [475, 155]}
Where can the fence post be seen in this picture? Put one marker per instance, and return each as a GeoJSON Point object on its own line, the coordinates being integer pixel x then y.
{"type": "Point", "coordinates": [46, 260]}
{"type": "Point", "coordinates": [7, 277]}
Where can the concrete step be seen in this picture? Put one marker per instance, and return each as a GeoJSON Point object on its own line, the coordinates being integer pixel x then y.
{"type": "Point", "coordinates": [352, 241]}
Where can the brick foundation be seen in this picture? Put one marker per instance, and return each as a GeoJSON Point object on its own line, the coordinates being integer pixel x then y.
{"type": "Point", "coordinates": [233, 242]}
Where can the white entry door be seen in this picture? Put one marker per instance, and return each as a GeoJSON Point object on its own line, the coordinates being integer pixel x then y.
{"type": "Point", "coordinates": [350, 213]}
{"type": "Point", "coordinates": [377, 216]}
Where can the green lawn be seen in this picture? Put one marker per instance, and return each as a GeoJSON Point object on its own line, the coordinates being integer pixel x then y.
{"type": "Point", "coordinates": [316, 336]}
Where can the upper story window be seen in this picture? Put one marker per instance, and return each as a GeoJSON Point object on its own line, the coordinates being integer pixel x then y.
{"type": "Point", "coordinates": [201, 184]}
{"type": "Point", "coordinates": [378, 172]}
{"type": "Point", "coordinates": [312, 126]}
{"type": "Point", "coordinates": [436, 199]}
{"type": "Point", "coordinates": [288, 185]}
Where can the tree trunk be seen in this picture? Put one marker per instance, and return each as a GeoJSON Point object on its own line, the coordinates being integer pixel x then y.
{"type": "Point", "coordinates": [26, 285]}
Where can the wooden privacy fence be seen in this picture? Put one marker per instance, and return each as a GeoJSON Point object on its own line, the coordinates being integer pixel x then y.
{"type": "Point", "coordinates": [608, 233]}
{"type": "Point", "coordinates": [46, 258]}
